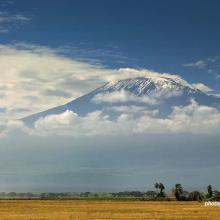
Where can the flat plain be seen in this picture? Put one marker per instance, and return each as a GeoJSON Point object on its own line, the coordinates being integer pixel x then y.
{"type": "Point", "coordinates": [105, 210]}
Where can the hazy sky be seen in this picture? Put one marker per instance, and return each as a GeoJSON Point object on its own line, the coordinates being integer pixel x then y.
{"type": "Point", "coordinates": [54, 51]}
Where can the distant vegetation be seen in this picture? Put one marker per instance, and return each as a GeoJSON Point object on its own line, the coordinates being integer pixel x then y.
{"type": "Point", "coordinates": [177, 193]}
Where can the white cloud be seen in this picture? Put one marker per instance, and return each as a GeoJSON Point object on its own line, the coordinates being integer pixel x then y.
{"type": "Point", "coordinates": [122, 96]}
{"type": "Point", "coordinates": [189, 119]}
{"type": "Point", "coordinates": [35, 78]}
{"type": "Point", "coordinates": [126, 73]}
{"type": "Point", "coordinates": [69, 123]}
{"type": "Point", "coordinates": [202, 87]}
{"type": "Point", "coordinates": [127, 109]}
{"type": "Point", "coordinates": [213, 59]}
{"type": "Point", "coordinates": [200, 64]}
{"type": "Point", "coordinates": [10, 22]}
{"type": "Point", "coordinates": [193, 118]}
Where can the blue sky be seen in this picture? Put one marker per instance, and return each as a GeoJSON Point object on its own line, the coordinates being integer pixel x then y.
{"type": "Point", "coordinates": [158, 35]}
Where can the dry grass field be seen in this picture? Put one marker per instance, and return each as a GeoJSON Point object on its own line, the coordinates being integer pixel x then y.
{"type": "Point", "coordinates": [103, 210]}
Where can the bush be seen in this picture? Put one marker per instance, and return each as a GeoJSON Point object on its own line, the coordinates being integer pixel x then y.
{"type": "Point", "coordinates": [215, 196]}
{"type": "Point", "coordinates": [195, 196]}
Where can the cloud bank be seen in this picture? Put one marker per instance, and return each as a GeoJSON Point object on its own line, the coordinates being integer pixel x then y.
{"type": "Point", "coordinates": [190, 119]}
{"type": "Point", "coordinates": [35, 78]}
{"type": "Point", "coordinates": [193, 118]}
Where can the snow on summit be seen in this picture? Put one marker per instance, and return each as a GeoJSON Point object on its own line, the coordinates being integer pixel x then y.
{"type": "Point", "coordinates": [145, 85]}
{"type": "Point", "coordinates": [159, 92]}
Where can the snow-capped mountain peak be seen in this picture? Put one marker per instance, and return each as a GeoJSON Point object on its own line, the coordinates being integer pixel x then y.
{"type": "Point", "coordinates": [146, 85]}
{"type": "Point", "coordinates": [160, 93]}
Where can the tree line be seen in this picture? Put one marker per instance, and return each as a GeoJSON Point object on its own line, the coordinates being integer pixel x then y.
{"type": "Point", "coordinates": [177, 193]}
{"type": "Point", "coordinates": [181, 195]}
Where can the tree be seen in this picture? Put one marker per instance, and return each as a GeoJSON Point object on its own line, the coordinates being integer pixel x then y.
{"type": "Point", "coordinates": [156, 185]}
{"type": "Point", "coordinates": [178, 191]}
{"type": "Point", "coordinates": [161, 187]}
{"type": "Point", "coordinates": [210, 192]}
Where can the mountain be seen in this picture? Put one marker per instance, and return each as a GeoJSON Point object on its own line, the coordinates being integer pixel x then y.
{"type": "Point", "coordinates": [149, 93]}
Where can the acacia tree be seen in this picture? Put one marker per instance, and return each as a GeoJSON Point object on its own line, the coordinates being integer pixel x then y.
{"type": "Point", "coordinates": [161, 187]}
{"type": "Point", "coordinates": [178, 191]}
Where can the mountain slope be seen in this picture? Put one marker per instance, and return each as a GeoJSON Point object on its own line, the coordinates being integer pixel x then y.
{"type": "Point", "coordinates": [159, 93]}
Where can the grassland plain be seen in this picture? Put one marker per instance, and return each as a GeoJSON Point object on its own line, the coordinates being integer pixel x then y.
{"type": "Point", "coordinates": [103, 210]}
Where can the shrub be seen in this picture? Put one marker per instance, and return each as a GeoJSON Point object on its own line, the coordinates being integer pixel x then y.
{"type": "Point", "coordinates": [195, 196]}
